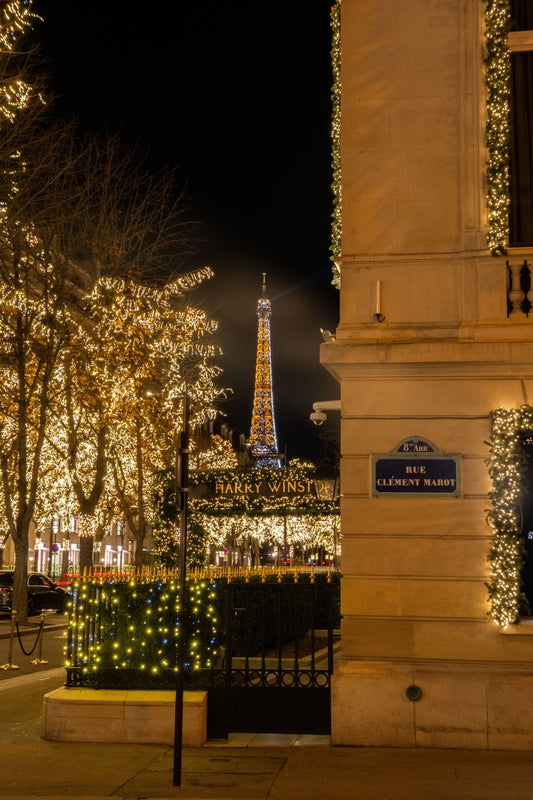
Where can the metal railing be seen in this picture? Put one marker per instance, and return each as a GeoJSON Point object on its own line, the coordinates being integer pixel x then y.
{"type": "Point", "coordinates": [519, 287]}
{"type": "Point", "coordinates": [209, 573]}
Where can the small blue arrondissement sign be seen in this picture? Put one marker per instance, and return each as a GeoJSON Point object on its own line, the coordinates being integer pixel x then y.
{"type": "Point", "coordinates": [415, 467]}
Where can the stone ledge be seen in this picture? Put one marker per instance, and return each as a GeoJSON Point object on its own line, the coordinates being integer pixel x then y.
{"type": "Point", "coordinates": [122, 716]}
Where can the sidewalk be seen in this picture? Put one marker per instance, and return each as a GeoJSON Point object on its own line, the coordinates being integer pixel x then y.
{"type": "Point", "coordinates": [51, 646]}
{"type": "Point", "coordinates": [52, 621]}
{"type": "Point", "coordinates": [247, 767]}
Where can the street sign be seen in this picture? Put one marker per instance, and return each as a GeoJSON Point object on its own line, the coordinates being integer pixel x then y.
{"type": "Point", "coordinates": [416, 467]}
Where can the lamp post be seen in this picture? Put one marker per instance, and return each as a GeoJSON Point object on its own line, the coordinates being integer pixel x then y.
{"type": "Point", "coordinates": [327, 489]}
{"type": "Point", "coordinates": [333, 496]}
{"type": "Point", "coordinates": [181, 488]}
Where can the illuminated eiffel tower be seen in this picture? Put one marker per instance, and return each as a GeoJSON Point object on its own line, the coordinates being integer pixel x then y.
{"type": "Point", "coordinates": [263, 441]}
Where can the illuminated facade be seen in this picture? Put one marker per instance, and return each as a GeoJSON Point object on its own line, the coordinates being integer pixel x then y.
{"type": "Point", "coordinates": [55, 549]}
{"type": "Point", "coordinates": [263, 440]}
{"type": "Point", "coordinates": [435, 336]}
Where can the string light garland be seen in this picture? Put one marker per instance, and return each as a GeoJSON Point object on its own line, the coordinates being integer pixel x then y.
{"type": "Point", "coordinates": [506, 467]}
{"type": "Point", "coordinates": [336, 227]}
{"type": "Point", "coordinates": [498, 82]}
{"type": "Point", "coordinates": [123, 633]}
{"type": "Point", "coordinates": [129, 628]}
{"type": "Point", "coordinates": [16, 19]}
{"type": "Point", "coordinates": [86, 525]}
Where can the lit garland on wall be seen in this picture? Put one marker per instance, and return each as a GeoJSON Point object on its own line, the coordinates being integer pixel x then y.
{"type": "Point", "coordinates": [507, 551]}
{"type": "Point", "coordinates": [123, 626]}
{"type": "Point", "coordinates": [336, 227]}
{"type": "Point", "coordinates": [498, 72]}
{"type": "Point", "coordinates": [265, 506]}
{"type": "Point", "coordinates": [498, 80]}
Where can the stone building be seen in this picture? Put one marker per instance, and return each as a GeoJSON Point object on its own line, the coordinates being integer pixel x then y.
{"type": "Point", "coordinates": [434, 336]}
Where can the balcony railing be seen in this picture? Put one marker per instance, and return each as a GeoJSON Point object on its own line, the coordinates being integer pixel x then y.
{"type": "Point", "coordinates": [519, 288]}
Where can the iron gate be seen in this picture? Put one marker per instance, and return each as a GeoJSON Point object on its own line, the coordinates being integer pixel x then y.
{"type": "Point", "coordinates": [274, 671]}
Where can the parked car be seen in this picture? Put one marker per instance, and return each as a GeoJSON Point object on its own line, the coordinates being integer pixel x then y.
{"type": "Point", "coordinates": [42, 593]}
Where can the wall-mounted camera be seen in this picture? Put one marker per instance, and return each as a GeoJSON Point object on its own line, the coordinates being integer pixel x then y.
{"type": "Point", "coordinates": [318, 417]}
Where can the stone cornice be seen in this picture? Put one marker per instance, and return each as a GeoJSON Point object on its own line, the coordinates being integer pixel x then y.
{"type": "Point", "coordinates": [466, 359]}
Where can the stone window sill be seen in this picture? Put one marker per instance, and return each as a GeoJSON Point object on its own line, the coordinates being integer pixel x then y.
{"type": "Point", "coordinates": [523, 628]}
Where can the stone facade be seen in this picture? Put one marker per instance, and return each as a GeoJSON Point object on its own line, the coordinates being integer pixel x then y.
{"type": "Point", "coordinates": [414, 595]}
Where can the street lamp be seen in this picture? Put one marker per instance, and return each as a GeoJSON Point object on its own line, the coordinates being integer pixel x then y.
{"type": "Point", "coordinates": [181, 488]}
{"type": "Point", "coordinates": [327, 489]}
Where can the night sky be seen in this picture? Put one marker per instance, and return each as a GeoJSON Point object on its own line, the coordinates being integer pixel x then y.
{"type": "Point", "coordinates": [237, 95]}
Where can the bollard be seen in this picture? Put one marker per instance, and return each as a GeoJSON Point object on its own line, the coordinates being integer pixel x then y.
{"type": "Point", "coordinates": [40, 660]}
{"type": "Point", "coordinates": [10, 664]}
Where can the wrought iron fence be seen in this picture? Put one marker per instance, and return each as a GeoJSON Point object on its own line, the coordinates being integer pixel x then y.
{"type": "Point", "coordinates": [257, 626]}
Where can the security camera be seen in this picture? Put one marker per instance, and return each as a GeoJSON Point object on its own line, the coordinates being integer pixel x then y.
{"type": "Point", "coordinates": [318, 417]}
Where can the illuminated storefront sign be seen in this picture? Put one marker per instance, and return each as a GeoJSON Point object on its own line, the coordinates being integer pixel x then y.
{"type": "Point", "coordinates": [266, 488]}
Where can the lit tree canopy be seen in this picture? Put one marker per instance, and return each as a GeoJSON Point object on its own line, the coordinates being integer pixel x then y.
{"type": "Point", "coordinates": [33, 314]}
{"type": "Point", "coordinates": [96, 350]}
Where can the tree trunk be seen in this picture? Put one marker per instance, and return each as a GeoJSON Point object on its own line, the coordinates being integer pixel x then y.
{"type": "Point", "coordinates": [86, 553]}
{"type": "Point", "coordinates": [20, 582]}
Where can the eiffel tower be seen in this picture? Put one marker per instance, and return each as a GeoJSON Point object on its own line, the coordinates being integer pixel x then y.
{"type": "Point", "coordinates": [263, 440]}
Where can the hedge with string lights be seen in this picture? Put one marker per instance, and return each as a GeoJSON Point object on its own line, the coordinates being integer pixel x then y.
{"type": "Point", "coordinates": [261, 624]}
{"type": "Point", "coordinates": [510, 427]}
{"type": "Point", "coordinates": [124, 633]}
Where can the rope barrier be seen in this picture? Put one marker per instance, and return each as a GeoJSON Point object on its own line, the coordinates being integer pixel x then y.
{"type": "Point", "coordinates": [39, 659]}
{"type": "Point", "coordinates": [10, 664]}
{"type": "Point", "coordinates": [39, 633]}
{"type": "Point", "coordinates": [38, 641]}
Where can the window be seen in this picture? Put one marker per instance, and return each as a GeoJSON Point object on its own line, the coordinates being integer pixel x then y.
{"type": "Point", "coordinates": [526, 520]}
{"type": "Point", "coordinates": [38, 580]}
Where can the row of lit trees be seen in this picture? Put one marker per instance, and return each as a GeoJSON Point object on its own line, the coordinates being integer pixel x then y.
{"type": "Point", "coordinates": [98, 344]}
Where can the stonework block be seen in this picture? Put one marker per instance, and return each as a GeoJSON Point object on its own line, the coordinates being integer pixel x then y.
{"type": "Point", "coordinates": [452, 516]}
{"type": "Point", "coordinates": [418, 598]}
{"type": "Point", "coordinates": [367, 708]}
{"type": "Point", "coordinates": [374, 436]}
{"type": "Point", "coordinates": [440, 397]}
{"type": "Point", "coordinates": [89, 715]}
{"type": "Point", "coordinates": [510, 725]}
{"type": "Point", "coordinates": [427, 556]}
{"type": "Point", "coordinates": [458, 707]}
{"type": "Point", "coordinates": [447, 640]}
{"type": "Point", "coordinates": [451, 711]}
